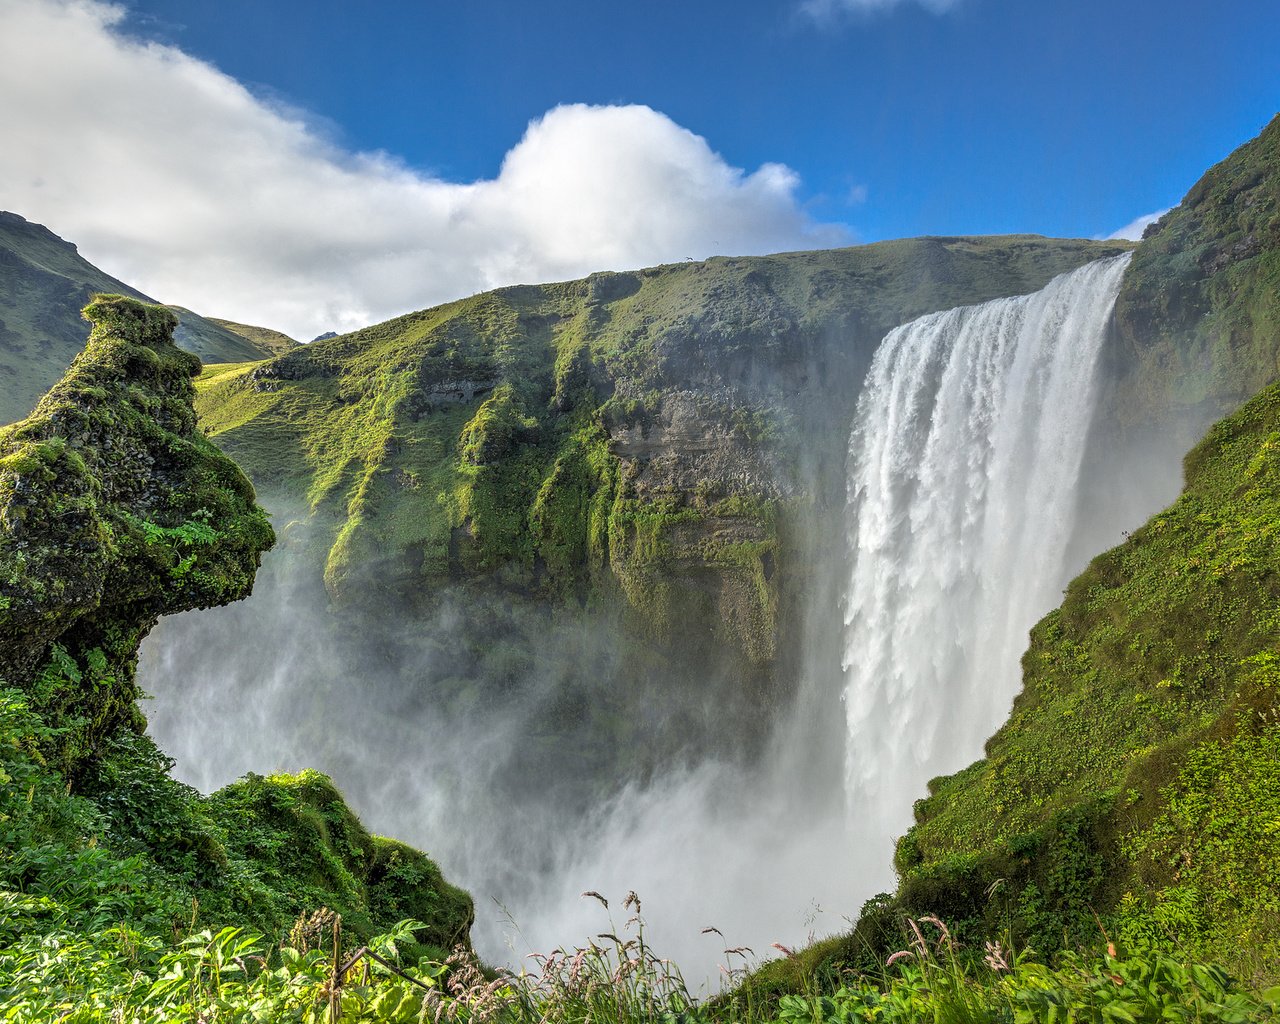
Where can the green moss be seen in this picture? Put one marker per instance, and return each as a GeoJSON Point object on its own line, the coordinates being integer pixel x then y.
{"type": "Point", "coordinates": [114, 510]}
{"type": "Point", "coordinates": [403, 884]}
{"type": "Point", "coordinates": [308, 850]}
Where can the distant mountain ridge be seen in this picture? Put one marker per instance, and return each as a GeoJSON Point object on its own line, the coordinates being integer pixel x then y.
{"type": "Point", "coordinates": [44, 283]}
{"type": "Point", "coordinates": [277, 343]}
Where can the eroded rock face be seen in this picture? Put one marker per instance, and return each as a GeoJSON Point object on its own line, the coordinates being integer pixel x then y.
{"type": "Point", "coordinates": [114, 510]}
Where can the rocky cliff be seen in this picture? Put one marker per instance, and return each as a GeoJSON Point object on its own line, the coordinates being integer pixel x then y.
{"type": "Point", "coordinates": [655, 454]}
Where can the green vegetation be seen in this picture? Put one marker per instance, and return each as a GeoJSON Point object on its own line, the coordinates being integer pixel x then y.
{"type": "Point", "coordinates": [114, 510]}
{"type": "Point", "coordinates": [320, 974]}
{"type": "Point", "coordinates": [264, 339]}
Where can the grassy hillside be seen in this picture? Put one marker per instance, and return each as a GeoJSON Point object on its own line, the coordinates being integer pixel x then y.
{"type": "Point", "coordinates": [44, 283]}
{"type": "Point", "coordinates": [1139, 773]}
{"type": "Point", "coordinates": [267, 341]}
{"type": "Point", "coordinates": [214, 342]}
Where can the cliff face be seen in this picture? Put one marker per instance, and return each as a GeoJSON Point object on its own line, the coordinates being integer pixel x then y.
{"type": "Point", "coordinates": [114, 511]}
{"type": "Point", "coordinates": [1198, 324]}
{"type": "Point", "coordinates": [652, 447]}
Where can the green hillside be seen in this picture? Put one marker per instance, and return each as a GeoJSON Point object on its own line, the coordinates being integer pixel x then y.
{"type": "Point", "coordinates": [267, 341]}
{"type": "Point", "coordinates": [1138, 776]}
{"type": "Point", "coordinates": [44, 283]}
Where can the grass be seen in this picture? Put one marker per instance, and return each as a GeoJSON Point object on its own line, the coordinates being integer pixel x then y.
{"type": "Point", "coordinates": [317, 974]}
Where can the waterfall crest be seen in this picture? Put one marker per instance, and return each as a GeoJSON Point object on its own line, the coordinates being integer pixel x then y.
{"type": "Point", "coordinates": [963, 463]}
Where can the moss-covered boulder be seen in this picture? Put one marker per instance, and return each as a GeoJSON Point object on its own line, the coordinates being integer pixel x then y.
{"type": "Point", "coordinates": [114, 510]}
{"type": "Point", "coordinates": [310, 849]}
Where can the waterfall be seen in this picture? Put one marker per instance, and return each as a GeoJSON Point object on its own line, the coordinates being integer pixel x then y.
{"type": "Point", "coordinates": [963, 463]}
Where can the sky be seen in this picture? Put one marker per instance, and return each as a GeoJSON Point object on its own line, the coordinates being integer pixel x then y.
{"type": "Point", "coordinates": [317, 165]}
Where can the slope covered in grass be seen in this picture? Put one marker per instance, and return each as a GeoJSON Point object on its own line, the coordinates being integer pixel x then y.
{"type": "Point", "coordinates": [1140, 767]}
{"type": "Point", "coordinates": [268, 342]}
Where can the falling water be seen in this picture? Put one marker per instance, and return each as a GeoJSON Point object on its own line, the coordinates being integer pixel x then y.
{"type": "Point", "coordinates": [963, 465]}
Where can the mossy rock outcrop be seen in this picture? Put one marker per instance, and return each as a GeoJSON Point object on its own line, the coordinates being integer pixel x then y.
{"type": "Point", "coordinates": [1197, 319]}
{"type": "Point", "coordinates": [114, 510]}
{"type": "Point", "coordinates": [303, 840]}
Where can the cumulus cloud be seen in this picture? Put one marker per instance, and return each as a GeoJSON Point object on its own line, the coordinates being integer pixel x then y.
{"type": "Point", "coordinates": [1133, 230]}
{"type": "Point", "coordinates": [172, 176]}
{"type": "Point", "coordinates": [825, 11]}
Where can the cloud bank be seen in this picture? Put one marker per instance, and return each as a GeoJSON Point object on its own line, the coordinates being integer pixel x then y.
{"type": "Point", "coordinates": [172, 176]}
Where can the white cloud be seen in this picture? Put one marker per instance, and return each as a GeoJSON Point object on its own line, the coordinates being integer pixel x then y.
{"type": "Point", "coordinates": [172, 176]}
{"type": "Point", "coordinates": [1133, 230]}
{"type": "Point", "coordinates": [825, 11]}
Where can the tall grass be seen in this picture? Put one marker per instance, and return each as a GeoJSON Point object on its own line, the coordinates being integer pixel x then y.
{"type": "Point", "coordinates": [314, 977]}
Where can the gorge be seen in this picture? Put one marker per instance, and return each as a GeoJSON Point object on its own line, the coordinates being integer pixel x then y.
{"type": "Point", "coordinates": [691, 580]}
{"type": "Point", "coordinates": [986, 411]}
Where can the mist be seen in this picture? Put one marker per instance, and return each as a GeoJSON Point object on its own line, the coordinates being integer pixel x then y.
{"type": "Point", "coordinates": [493, 733]}
{"type": "Point", "coordinates": [439, 736]}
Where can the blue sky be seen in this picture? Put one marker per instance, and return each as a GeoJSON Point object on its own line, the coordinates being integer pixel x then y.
{"type": "Point", "coordinates": [321, 165]}
{"type": "Point", "coordinates": [1064, 118]}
